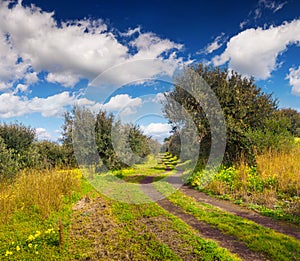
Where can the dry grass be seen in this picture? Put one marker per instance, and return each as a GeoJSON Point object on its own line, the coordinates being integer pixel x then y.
{"type": "Point", "coordinates": [284, 166]}
{"type": "Point", "coordinates": [273, 183]}
{"type": "Point", "coordinates": [38, 191]}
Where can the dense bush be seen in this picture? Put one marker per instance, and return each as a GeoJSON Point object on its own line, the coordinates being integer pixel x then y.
{"type": "Point", "coordinates": [118, 145]}
{"type": "Point", "coordinates": [19, 150]}
{"type": "Point", "coordinates": [8, 166]}
{"type": "Point", "coordinates": [252, 118]}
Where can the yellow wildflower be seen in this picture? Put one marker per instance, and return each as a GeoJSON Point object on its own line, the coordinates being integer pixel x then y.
{"type": "Point", "coordinates": [36, 252]}
{"type": "Point", "coordinates": [18, 248]}
{"type": "Point", "coordinates": [30, 245]}
{"type": "Point", "coordinates": [37, 234]}
{"type": "Point", "coordinates": [31, 238]}
{"type": "Point", "coordinates": [8, 253]}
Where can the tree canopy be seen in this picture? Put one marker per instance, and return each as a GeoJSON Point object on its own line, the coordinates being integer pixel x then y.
{"type": "Point", "coordinates": [247, 111]}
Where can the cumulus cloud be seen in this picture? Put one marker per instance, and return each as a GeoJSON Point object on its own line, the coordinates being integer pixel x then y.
{"type": "Point", "coordinates": [158, 131]}
{"type": "Point", "coordinates": [254, 52]}
{"type": "Point", "coordinates": [70, 50]}
{"type": "Point", "coordinates": [21, 88]}
{"type": "Point", "coordinates": [120, 101]}
{"type": "Point", "coordinates": [123, 103]}
{"type": "Point", "coordinates": [43, 134]}
{"type": "Point", "coordinates": [294, 80]}
{"type": "Point", "coordinates": [65, 79]}
{"type": "Point", "coordinates": [12, 105]}
{"type": "Point", "coordinates": [31, 78]}
{"type": "Point", "coordinates": [159, 98]}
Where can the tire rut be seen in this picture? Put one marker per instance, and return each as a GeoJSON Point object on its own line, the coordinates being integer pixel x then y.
{"type": "Point", "coordinates": [279, 226]}
{"type": "Point", "coordinates": [205, 230]}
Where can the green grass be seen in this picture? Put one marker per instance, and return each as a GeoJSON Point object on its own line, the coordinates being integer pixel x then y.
{"type": "Point", "coordinates": [28, 234]}
{"type": "Point", "coordinates": [138, 217]}
{"type": "Point", "coordinates": [258, 238]}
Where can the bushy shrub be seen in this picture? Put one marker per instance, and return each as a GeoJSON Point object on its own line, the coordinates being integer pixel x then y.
{"type": "Point", "coordinates": [8, 165]}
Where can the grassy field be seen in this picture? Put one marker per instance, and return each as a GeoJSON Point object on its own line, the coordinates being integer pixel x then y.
{"type": "Point", "coordinates": [38, 222]}
{"type": "Point", "coordinates": [59, 215]}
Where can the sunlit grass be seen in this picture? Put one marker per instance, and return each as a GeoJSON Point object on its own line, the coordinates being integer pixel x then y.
{"type": "Point", "coordinates": [284, 166]}
{"type": "Point", "coordinates": [39, 191]}
{"type": "Point", "coordinates": [257, 238]}
{"type": "Point", "coordinates": [31, 207]}
{"type": "Point", "coordinates": [272, 186]}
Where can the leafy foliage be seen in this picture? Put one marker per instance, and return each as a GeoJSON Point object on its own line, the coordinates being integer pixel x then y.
{"type": "Point", "coordinates": [293, 117]}
{"type": "Point", "coordinates": [100, 135]}
{"type": "Point", "coordinates": [246, 109]}
{"type": "Point", "coordinates": [7, 165]}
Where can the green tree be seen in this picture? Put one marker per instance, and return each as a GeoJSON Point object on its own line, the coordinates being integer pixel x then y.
{"type": "Point", "coordinates": [245, 108]}
{"type": "Point", "coordinates": [139, 143]}
{"type": "Point", "coordinates": [18, 139]}
{"type": "Point", "coordinates": [50, 155]}
{"type": "Point", "coordinates": [97, 138]}
{"type": "Point", "coordinates": [8, 166]}
{"type": "Point", "coordinates": [294, 117]}
{"type": "Point", "coordinates": [67, 139]}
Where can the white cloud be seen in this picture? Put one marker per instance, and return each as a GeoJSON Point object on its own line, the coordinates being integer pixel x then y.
{"type": "Point", "coordinates": [244, 23]}
{"type": "Point", "coordinates": [31, 78]}
{"type": "Point", "coordinates": [70, 51]}
{"type": "Point", "coordinates": [158, 131]}
{"type": "Point", "coordinates": [122, 103]}
{"type": "Point", "coordinates": [159, 98]}
{"type": "Point", "coordinates": [131, 32]}
{"type": "Point", "coordinates": [294, 80]}
{"type": "Point", "coordinates": [12, 105]}
{"type": "Point", "coordinates": [65, 79]}
{"type": "Point", "coordinates": [255, 51]}
{"type": "Point", "coordinates": [21, 87]}
{"type": "Point", "coordinates": [128, 111]}
{"type": "Point", "coordinates": [216, 44]}
{"type": "Point", "coordinates": [43, 134]}
{"type": "Point", "coordinates": [10, 69]}
{"type": "Point", "coordinates": [274, 6]}
{"type": "Point", "coordinates": [122, 100]}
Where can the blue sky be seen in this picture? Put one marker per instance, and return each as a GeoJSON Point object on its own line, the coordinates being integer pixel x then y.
{"type": "Point", "coordinates": [54, 54]}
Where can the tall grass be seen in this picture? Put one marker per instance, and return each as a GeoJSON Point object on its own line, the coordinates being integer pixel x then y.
{"type": "Point", "coordinates": [36, 191]}
{"type": "Point", "coordinates": [282, 166]}
{"type": "Point", "coordinates": [274, 183]}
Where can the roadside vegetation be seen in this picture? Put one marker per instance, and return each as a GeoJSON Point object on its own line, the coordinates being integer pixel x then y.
{"type": "Point", "coordinates": [35, 212]}
{"type": "Point", "coordinates": [274, 245]}
{"type": "Point", "coordinates": [261, 163]}
{"type": "Point", "coordinates": [52, 209]}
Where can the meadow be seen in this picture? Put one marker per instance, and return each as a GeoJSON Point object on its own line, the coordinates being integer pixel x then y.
{"type": "Point", "coordinates": [58, 215]}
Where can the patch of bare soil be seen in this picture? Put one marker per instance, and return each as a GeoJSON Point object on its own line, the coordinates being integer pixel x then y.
{"type": "Point", "coordinates": [280, 226]}
{"type": "Point", "coordinates": [94, 230]}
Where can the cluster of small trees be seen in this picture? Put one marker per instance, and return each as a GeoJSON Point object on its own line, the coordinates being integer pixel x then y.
{"type": "Point", "coordinates": [253, 120]}
{"type": "Point", "coordinates": [91, 137]}
{"type": "Point", "coordinates": [19, 150]}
